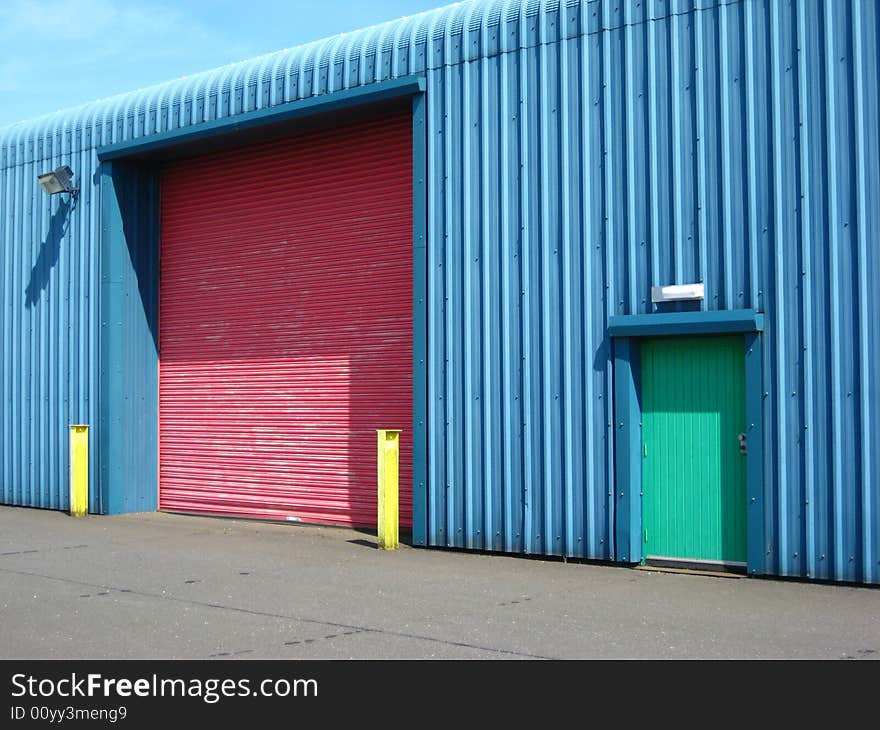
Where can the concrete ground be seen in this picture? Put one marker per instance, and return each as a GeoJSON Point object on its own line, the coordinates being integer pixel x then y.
{"type": "Point", "coordinates": [169, 586]}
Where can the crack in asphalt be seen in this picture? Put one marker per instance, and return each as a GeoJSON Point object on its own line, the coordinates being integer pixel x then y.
{"type": "Point", "coordinates": [294, 642]}
{"type": "Point", "coordinates": [267, 614]}
{"type": "Point", "coordinates": [41, 550]}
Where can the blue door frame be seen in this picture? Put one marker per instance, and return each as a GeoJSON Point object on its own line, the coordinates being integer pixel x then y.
{"type": "Point", "coordinates": [626, 332]}
{"type": "Point", "coordinates": [127, 434]}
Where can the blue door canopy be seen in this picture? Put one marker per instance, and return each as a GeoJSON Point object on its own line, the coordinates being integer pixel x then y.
{"type": "Point", "coordinates": [686, 323]}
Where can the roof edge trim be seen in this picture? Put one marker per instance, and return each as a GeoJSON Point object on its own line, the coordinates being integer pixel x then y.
{"type": "Point", "coordinates": [355, 96]}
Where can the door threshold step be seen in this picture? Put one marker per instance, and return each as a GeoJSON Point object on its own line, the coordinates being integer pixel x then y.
{"type": "Point", "coordinates": [691, 571]}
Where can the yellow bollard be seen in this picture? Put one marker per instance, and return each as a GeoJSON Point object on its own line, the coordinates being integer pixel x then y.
{"type": "Point", "coordinates": [79, 470]}
{"type": "Point", "coordinates": [387, 458]}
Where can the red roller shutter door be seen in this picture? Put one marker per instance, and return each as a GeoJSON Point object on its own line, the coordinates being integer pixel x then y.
{"type": "Point", "coordinates": [286, 325]}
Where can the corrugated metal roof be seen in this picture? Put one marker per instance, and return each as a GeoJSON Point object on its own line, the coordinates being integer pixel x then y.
{"type": "Point", "coordinates": [410, 45]}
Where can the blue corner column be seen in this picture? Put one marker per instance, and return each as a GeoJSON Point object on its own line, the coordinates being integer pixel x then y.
{"type": "Point", "coordinates": [755, 548]}
{"type": "Point", "coordinates": [420, 322]}
{"type": "Point", "coordinates": [126, 441]}
{"type": "Point", "coordinates": [628, 449]}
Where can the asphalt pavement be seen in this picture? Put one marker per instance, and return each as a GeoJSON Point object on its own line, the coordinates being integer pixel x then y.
{"type": "Point", "coordinates": [173, 586]}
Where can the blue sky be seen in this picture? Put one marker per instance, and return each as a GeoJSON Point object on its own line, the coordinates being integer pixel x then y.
{"type": "Point", "coordinates": [59, 54]}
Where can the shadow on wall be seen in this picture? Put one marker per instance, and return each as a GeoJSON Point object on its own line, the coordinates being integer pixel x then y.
{"type": "Point", "coordinates": [48, 256]}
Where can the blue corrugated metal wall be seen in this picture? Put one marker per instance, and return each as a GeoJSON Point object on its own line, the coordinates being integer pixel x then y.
{"type": "Point", "coordinates": [733, 144]}
{"type": "Point", "coordinates": [49, 273]}
{"type": "Point", "coordinates": [577, 153]}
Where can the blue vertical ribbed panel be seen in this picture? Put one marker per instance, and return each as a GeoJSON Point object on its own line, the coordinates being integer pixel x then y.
{"type": "Point", "coordinates": [127, 435]}
{"type": "Point", "coordinates": [729, 143]}
{"type": "Point", "coordinates": [48, 332]}
{"type": "Point", "coordinates": [577, 153]}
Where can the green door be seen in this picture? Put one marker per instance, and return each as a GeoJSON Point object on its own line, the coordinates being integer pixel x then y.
{"type": "Point", "coordinates": [693, 412]}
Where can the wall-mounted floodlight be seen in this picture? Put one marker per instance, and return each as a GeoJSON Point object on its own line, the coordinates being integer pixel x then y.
{"type": "Point", "coordinates": [678, 293]}
{"type": "Point", "coordinates": [58, 181]}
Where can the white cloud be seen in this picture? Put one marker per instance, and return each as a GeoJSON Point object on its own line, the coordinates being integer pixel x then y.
{"type": "Point", "coordinates": [11, 73]}
{"type": "Point", "coordinates": [96, 21]}
{"type": "Point", "coordinates": [54, 55]}
{"type": "Point", "coordinates": [60, 53]}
